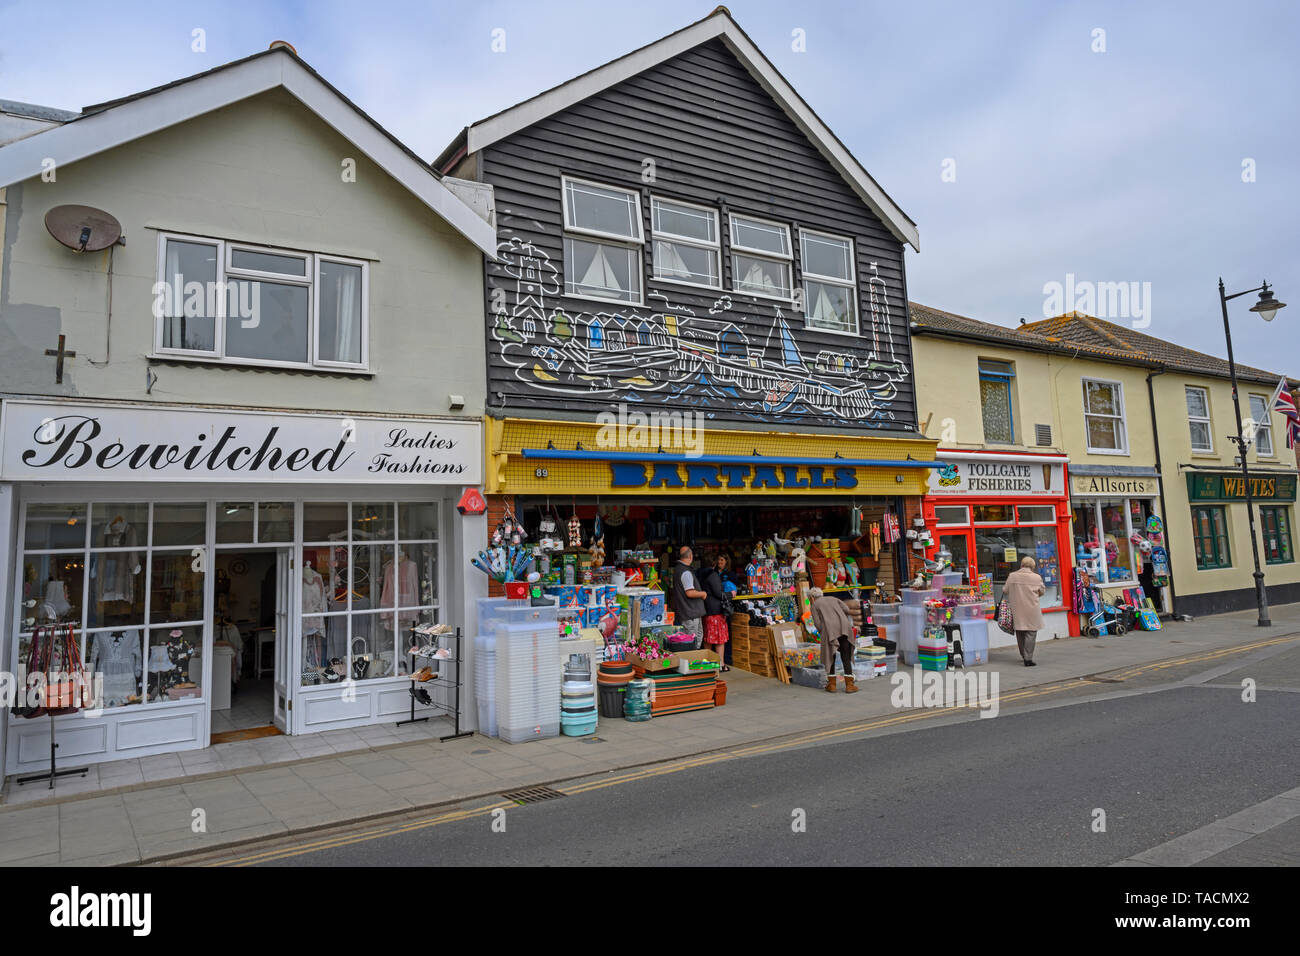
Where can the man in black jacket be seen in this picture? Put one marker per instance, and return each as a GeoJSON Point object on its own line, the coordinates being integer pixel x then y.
{"type": "Point", "coordinates": [688, 598]}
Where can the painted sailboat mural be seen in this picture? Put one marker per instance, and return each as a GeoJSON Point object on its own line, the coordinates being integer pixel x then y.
{"type": "Point", "coordinates": [667, 353]}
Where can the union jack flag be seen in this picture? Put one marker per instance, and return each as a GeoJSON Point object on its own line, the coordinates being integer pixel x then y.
{"type": "Point", "coordinates": [1284, 402]}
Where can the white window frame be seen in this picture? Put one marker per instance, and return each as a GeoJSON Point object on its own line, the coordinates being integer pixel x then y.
{"type": "Point", "coordinates": [315, 311]}
{"type": "Point", "coordinates": [1035, 523]}
{"type": "Point", "coordinates": [226, 273]}
{"type": "Point", "coordinates": [1122, 417]}
{"type": "Point", "coordinates": [638, 239]}
{"type": "Point", "coordinates": [671, 237]}
{"type": "Point", "coordinates": [948, 524]}
{"type": "Point", "coordinates": [1264, 427]}
{"type": "Point", "coordinates": [765, 254]}
{"type": "Point", "coordinates": [851, 284]}
{"type": "Point", "coordinates": [599, 237]}
{"type": "Point", "coordinates": [1206, 420]}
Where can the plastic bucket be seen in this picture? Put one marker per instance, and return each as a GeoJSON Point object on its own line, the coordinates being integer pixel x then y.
{"type": "Point", "coordinates": [611, 700]}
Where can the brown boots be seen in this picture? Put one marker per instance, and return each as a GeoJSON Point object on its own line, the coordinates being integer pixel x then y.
{"type": "Point", "coordinates": [850, 686]}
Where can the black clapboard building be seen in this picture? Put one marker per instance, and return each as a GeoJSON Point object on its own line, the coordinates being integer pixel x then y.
{"type": "Point", "coordinates": [678, 231]}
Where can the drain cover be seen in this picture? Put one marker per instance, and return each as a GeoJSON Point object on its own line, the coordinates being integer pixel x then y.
{"type": "Point", "coordinates": [532, 795]}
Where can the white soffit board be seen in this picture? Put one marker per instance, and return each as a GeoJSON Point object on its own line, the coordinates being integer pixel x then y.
{"type": "Point", "coordinates": [187, 100]}
{"type": "Point", "coordinates": [510, 121]}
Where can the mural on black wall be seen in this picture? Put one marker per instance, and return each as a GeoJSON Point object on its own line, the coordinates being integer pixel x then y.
{"type": "Point", "coordinates": [668, 354]}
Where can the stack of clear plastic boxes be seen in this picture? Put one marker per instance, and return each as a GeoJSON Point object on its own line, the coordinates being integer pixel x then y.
{"type": "Point", "coordinates": [528, 672]}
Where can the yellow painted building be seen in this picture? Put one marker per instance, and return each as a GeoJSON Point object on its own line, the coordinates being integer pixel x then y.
{"type": "Point", "coordinates": [1144, 424]}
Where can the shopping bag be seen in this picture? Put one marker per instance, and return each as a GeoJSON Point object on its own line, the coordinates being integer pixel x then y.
{"type": "Point", "coordinates": [1005, 620]}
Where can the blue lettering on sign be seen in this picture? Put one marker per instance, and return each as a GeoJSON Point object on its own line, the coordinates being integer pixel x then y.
{"type": "Point", "coordinates": [626, 475]}
{"type": "Point", "coordinates": [815, 479]}
{"type": "Point", "coordinates": [736, 475]}
{"type": "Point", "coordinates": [702, 476]}
{"type": "Point", "coordinates": [792, 479]}
{"type": "Point", "coordinates": [665, 476]}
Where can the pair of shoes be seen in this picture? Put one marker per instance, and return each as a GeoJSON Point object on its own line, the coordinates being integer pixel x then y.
{"type": "Point", "coordinates": [830, 685]}
{"type": "Point", "coordinates": [430, 652]}
{"type": "Point", "coordinates": [1030, 664]}
{"type": "Point", "coordinates": [424, 674]}
{"type": "Point", "coordinates": [850, 686]}
{"type": "Point", "coordinates": [422, 695]}
{"type": "Point", "coordinates": [725, 668]}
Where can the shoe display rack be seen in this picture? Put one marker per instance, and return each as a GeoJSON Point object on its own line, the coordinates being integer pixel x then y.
{"type": "Point", "coordinates": [426, 650]}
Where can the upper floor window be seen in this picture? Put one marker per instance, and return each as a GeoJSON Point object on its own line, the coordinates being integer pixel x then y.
{"type": "Point", "coordinates": [224, 301]}
{"type": "Point", "coordinates": [761, 258]}
{"type": "Point", "coordinates": [1259, 411]}
{"type": "Point", "coordinates": [687, 247]}
{"type": "Point", "coordinates": [608, 264]}
{"type": "Point", "coordinates": [1103, 417]}
{"type": "Point", "coordinates": [829, 284]}
{"type": "Point", "coordinates": [995, 400]}
{"type": "Point", "coordinates": [1198, 419]}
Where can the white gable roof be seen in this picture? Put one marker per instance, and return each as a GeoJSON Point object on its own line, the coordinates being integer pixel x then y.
{"type": "Point", "coordinates": [123, 121]}
{"type": "Point", "coordinates": [716, 25]}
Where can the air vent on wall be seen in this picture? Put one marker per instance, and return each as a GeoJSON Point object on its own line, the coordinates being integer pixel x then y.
{"type": "Point", "coordinates": [1043, 435]}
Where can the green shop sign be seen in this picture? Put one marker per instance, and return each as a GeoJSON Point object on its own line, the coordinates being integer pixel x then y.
{"type": "Point", "coordinates": [1231, 486]}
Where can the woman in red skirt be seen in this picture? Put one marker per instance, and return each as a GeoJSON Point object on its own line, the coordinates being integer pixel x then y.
{"type": "Point", "coordinates": [716, 631]}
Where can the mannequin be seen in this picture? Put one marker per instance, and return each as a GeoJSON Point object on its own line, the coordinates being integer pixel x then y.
{"type": "Point", "coordinates": [406, 580]}
{"type": "Point", "coordinates": [114, 577]}
{"type": "Point", "coordinates": [313, 625]}
{"type": "Point", "coordinates": [56, 597]}
{"type": "Point", "coordinates": [117, 658]}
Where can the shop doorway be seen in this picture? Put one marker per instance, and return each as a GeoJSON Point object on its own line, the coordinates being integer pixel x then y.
{"type": "Point", "coordinates": [252, 645]}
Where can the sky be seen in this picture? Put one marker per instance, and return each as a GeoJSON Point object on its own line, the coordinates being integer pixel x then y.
{"type": "Point", "coordinates": [1154, 144]}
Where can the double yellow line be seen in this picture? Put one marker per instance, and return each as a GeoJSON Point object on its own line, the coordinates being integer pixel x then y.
{"type": "Point", "coordinates": [690, 763]}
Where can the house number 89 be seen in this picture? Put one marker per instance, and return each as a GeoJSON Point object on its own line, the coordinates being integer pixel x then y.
{"type": "Point", "coordinates": [539, 473]}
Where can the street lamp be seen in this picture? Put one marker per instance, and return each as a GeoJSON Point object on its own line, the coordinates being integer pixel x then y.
{"type": "Point", "coordinates": [1266, 308]}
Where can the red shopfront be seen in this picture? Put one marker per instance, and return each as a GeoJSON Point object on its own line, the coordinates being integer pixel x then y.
{"type": "Point", "coordinates": [991, 509]}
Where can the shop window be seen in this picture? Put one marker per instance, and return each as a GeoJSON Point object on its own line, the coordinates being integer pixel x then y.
{"type": "Point", "coordinates": [1103, 414]}
{"type": "Point", "coordinates": [1263, 426]}
{"type": "Point", "coordinates": [1276, 525]}
{"type": "Point", "coordinates": [761, 257]}
{"type": "Point", "coordinates": [1036, 514]}
{"type": "Point", "coordinates": [999, 550]}
{"type": "Point", "coordinates": [829, 283]}
{"type": "Point", "coordinates": [1210, 537]}
{"type": "Point", "coordinates": [606, 262]}
{"type": "Point", "coordinates": [137, 605]}
{"type": "Point", "coordinates": [275, 522]}
{"type": "Point", "coordinates": [951, 515]}
{"type": "Point", "coordinates": [995, 400]}
{"type": "Point", "coordinates": [1198, 419]}
{"type": "Point", "coordinates": [250, 305]}
{"type": "Point", "coordinates": [55, 526]}
{"type": "Point", "coordinates": [995, 514]}
{"type": "Point", "coordinates": [687, 247]}
{"type": "Point", "coordinates": [235, 522]}
{"type": "Point", "coordinates": [370, 572]}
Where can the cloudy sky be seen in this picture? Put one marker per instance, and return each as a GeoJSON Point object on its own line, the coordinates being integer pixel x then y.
{"type": "Point", "coordinates": [1062, 159]}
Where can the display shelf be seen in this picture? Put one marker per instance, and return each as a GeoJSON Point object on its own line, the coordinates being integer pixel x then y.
{"type": "Point", "coordinates": [455, 685]}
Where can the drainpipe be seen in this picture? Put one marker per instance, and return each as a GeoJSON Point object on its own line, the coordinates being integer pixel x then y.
{"type": "Point", "coordinates": [1160, 482]}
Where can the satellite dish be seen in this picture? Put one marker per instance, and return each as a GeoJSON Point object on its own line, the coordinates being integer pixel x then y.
{"type": "Point", "coordinates": [83, 228]}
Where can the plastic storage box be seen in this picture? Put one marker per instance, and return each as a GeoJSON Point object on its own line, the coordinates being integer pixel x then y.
{"type": "Point", "coordinates": [528, 673]}
{"type": "Point", "coordinates": [975, 642]}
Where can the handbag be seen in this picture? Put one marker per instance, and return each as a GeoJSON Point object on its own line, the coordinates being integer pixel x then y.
{"type": "Point", "coordinates": [360, 662]}
{"type": "Point", "coordinates": [26, 702]}
{"type": "Point", "coordinates": [1006, 622]}
{"type": "Point", "coordinates": [71, 692]}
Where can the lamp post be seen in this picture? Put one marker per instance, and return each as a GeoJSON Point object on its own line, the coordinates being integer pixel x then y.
{"type": "Point", "coordinates": [1266, 307]}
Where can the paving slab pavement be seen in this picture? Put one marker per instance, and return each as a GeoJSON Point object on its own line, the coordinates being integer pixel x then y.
{"type": "Point", "coordinates": [133, 811]}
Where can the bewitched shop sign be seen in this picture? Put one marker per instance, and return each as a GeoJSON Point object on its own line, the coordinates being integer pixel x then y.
{"type": "Point", "coordinates": [57, 442]}
{"type": "Point", "coordinates": [662, 476]}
